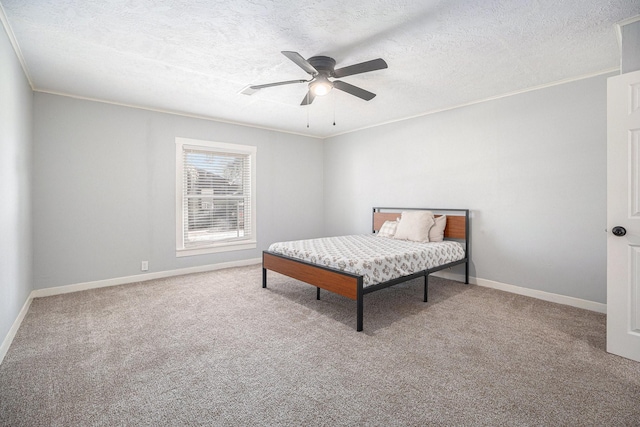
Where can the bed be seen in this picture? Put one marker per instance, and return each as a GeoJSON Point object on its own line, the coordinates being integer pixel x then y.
{"type": "Point", "coordinates": [353, 266]}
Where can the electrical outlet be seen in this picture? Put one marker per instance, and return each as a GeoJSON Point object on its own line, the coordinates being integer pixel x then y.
{"type": "Point", "coordinates": [145, 266]}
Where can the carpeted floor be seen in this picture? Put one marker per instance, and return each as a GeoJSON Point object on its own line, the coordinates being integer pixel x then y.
{"type": "Point", "coordinates": [216, 349]}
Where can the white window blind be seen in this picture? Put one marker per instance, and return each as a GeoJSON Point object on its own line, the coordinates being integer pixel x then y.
{"type": "Point", "coordinates": [216, 196]}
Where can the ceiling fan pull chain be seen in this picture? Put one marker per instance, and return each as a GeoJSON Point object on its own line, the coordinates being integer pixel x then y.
{"type": "Point", "coordinates": [334, 108]}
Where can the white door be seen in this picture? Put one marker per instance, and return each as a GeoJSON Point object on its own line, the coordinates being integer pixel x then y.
{"type": "Point", "coordinates": [623, 215]}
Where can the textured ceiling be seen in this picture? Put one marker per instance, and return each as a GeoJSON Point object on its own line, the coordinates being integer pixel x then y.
{"type": "Point", "coordinates": [195, 56]}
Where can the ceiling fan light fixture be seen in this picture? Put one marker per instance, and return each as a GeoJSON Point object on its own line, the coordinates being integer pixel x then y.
{"type": "Point", "coordinates": [321, 86]}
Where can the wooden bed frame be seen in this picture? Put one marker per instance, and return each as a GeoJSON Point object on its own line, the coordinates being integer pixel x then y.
{"type": "Point", "coordinates": [351, 285]}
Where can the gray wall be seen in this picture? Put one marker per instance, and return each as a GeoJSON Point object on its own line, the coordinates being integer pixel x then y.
{"type": "Point", "coordinates": [104, 189]}
{"type": "Point", "coordinates": [15, 186]}
{"type": "Point", "coordinates": [531, 167]}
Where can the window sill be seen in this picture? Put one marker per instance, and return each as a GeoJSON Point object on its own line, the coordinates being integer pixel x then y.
{"type": "Point", "coordinates": [221, 247]}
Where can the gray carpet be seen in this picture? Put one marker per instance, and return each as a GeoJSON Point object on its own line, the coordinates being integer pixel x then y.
{"type": "Point", "coordinates": [217, 349]}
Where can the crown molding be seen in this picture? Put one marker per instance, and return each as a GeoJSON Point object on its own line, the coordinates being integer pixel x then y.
{"type": "Point", "coordinates": [14, 44]}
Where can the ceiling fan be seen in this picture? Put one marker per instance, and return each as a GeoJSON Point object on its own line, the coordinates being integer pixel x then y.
{"type": "Point", "coordinates": [321, 68]}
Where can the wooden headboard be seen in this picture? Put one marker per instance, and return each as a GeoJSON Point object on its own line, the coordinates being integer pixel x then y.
{"type": "Point", "coordinates": [456, 224]}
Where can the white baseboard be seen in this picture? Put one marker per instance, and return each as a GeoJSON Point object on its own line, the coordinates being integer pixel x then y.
{"type": "Point", "coordinates": [46, 292]}
{"type": "Point", "coordinates": [545, 296]}
{"type": "Point", "coordinates": [6, 343]}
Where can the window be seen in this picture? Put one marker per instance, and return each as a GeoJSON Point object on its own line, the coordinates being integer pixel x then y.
{"type": "Point", "coordinates": [215, 203]}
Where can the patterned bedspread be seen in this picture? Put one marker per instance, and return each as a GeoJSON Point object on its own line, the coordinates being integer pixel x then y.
{"type": "Point", "coordinates": [378, 259]}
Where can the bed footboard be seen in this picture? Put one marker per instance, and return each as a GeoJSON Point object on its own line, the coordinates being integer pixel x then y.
{"type": "Point", "coordinates": [336, 281]}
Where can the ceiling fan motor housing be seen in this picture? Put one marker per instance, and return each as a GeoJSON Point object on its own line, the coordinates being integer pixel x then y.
{"type": "Point", "coordinates": [323, 64]}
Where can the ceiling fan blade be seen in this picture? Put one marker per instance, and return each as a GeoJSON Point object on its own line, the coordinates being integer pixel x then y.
{"type": "Point", "coordinates": [300, 62]}
{"type": "Point", "coordinates": [363, 67]}
{"type": "Point", "coordinates": [288, 82]}
{"type": "Point", "coordinates": [353, 90]}
{"type": "Point", "coordinates": [308, 98]}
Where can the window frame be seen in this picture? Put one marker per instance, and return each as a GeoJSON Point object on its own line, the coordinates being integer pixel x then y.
{"type": "Point", "coordinates": [216, 147]}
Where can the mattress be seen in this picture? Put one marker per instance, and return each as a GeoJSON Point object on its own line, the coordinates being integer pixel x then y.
{"type": "Point", "coordinates": [377, 259]}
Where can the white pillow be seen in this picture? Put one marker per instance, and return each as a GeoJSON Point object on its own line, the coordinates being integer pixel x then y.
{"type": "Point", "coordinates": [414, 226]}
{"type": "Point", "coordinates": [436, 233]}
{"type": "Point", "coordinates": [388, 229]}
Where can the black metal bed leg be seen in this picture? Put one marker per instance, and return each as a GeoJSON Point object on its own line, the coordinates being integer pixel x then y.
{"type": "Point", "coordinates": [359, 304]}
{"type": "Point", "coordinates": [466, 273]}
{"type": "Point", "coordinates": [317, 293]}
{"type": "Point", "coordinates": [426, 287]}
{"type": "Point", "coordinates": [264, 277]}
